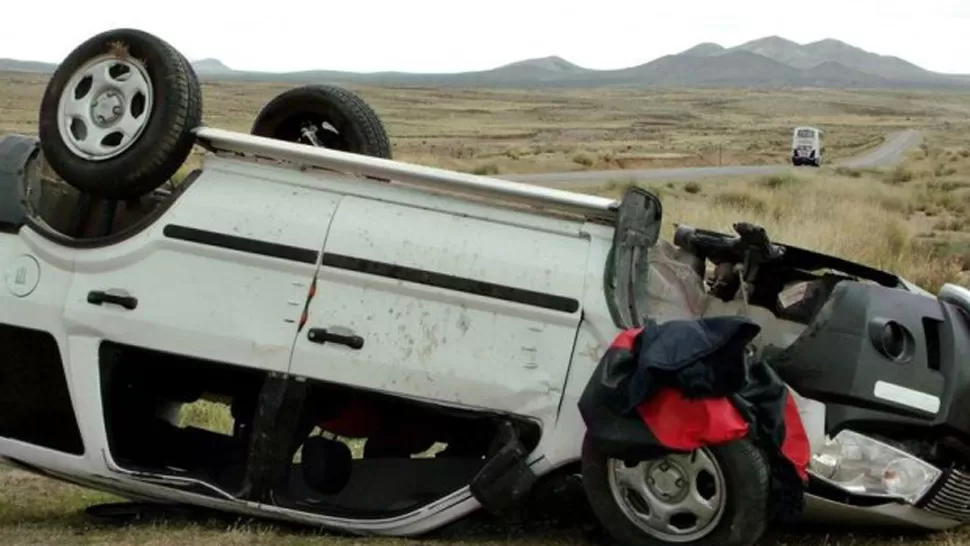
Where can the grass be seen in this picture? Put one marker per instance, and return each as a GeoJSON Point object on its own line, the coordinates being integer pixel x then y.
{"type": "Point", "coordinates": [913, 219]}
{"type": "Point", "coordinates": [36, 510]}
{"type": "Point", "coordinates": [522, 131]}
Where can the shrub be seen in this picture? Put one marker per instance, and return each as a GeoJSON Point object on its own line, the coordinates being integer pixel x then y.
{"type": "Point", "coordinates": [583, 159]}
{"type": "Point", "coordinates": [899, 175]}
{"type": "Point", "coordinates": [848, 171]}
{"type": "Point", "coordinates": [486, 169]}
{"type": "Point", "coordinates": [742, 201]}
{"type": "Point", "coordinates": [776, 181]}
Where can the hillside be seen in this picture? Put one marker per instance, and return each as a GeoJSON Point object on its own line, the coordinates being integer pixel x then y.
{"type": "Point", "coordinates": [773, 61]}
{"type": "Point", "coordinates": [203, 66]}
{"type": "Point", "coordinates": [211, 66]}
{"type": "Point", "coordinates": [17, 65]}
{"type": "Point", "coordinates": [735, 68]}
{"type": "Point", "coordinates": [833, 51]}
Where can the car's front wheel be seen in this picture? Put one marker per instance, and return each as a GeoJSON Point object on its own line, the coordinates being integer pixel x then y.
{"type": "Point", "coordinates": [715, 496]}
{"type": "Point", "coordinates": [117, 116]}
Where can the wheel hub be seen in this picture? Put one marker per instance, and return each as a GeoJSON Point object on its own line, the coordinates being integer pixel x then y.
{"type": "Point", "coordinates": [667, 481]}
{"type": "Point", "coordinates": [108, 108]}
{"type": "Point", "coordinates": [105, 107]}
{"type": "Point", "coordinates": [677, 499]}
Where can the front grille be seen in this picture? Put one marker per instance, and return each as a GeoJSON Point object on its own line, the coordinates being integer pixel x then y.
{"type": "Point", "coordinates": [952, 498]}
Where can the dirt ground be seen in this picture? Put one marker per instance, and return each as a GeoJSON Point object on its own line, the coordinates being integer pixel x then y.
{"type": "Point", "coordinates": [36, 510]}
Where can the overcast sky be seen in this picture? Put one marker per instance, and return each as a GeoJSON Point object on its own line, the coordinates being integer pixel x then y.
{"type": "Point", "coordinates": [442, 36]}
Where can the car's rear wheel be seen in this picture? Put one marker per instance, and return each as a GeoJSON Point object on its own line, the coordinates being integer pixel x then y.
{"type": "Point", "coordinates": [326, 116]}
{"type": "Point", "coordinates": [715, 496]}
{"type": "Point", "coordinates": [117, 117]}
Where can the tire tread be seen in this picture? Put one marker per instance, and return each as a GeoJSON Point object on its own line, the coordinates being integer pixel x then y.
{"type": "Point", "coordinates": [371, 136]}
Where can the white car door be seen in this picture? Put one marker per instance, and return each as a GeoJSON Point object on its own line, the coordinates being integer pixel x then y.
{"type": "Point", "coordinates": [446, 307]}
{"type": "Point", "coordinates": [223, 275]}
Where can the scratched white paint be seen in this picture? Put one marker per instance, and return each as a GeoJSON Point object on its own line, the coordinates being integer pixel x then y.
{"type": "Point", "coordinates": [438, 344]}
{"type": "Point", "coordinates": [563, 443]}
{"type": "Point", "coordinates": [203, 301]}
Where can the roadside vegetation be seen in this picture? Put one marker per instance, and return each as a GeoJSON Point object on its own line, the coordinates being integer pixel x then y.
{"type": "Point", "coordinates": [913, 219]}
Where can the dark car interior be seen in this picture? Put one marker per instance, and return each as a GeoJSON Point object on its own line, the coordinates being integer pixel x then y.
{"type": "Point", "coordinates": [31, 193]}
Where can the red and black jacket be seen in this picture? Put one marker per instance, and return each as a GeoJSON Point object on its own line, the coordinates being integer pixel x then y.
{"type": "Point", "coordinates": [684, 384]}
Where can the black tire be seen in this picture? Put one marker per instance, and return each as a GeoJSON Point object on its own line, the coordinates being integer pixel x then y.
{"type": "Point", "coordinates": [167, 139]}
{"type": "Point", "coordinates": [358, 129]}
{"type": "Point", "coordinates": [747, 486]}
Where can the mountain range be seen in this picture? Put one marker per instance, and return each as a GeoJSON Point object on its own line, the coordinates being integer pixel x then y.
{"type": "Point", "coordinates": [767, 62]}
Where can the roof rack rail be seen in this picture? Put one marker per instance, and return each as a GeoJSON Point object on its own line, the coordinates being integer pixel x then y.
{"type": "Point", "coordinates": [590, 206]}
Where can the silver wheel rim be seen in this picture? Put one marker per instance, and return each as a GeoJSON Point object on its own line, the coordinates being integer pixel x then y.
{"type": "Point", "coordinates": [677, 499]}
{"type": "Point", "coordinates": [105, 107]}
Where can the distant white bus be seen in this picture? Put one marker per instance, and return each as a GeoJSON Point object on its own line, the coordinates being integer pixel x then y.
{"type": "Point", "coordinates": [806, 146]}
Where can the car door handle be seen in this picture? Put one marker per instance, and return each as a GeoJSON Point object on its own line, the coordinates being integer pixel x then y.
{"type": "Point", "coordinates": [321, 335]}
{"type": "Point", "coordinates": [97, 297]}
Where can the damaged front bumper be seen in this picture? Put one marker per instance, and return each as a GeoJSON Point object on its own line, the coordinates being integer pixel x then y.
{"type": "Point", "coordinates": [826, 511]}
{"type": "Point", "coordinates": [859, 480]}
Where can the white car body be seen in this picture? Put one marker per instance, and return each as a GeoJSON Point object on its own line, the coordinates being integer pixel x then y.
{"type": "Point", "coordinates": [227, 280]}
{"type": "Point", "coordinates": [536, 352]}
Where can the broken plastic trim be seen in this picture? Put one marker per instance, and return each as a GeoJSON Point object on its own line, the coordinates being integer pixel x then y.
{"type": "Point", "coordinates": [638, 223]}
{"type": "Point", "coordinates": [507, 477]}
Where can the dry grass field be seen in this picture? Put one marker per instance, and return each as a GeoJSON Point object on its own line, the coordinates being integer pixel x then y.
{"type": "Point", "coordinates": [914, 219]}
{"type": "Point", "coordinates": [510, 131]}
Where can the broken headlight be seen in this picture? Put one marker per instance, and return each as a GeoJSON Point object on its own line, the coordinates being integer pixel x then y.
{"type": "Point", "coordinates": [864, 466]}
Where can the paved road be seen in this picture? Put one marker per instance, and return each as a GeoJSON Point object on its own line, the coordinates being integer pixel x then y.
{"type": "Point", "coordinates": [887, 154]}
